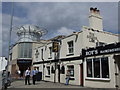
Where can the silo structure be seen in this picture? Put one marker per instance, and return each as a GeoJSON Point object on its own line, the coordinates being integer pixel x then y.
{"type": "Point", "coordinates": [27, 36]}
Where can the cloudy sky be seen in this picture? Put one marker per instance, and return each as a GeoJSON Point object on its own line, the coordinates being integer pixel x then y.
{"type": "Point", "coordinates": [59, 18]}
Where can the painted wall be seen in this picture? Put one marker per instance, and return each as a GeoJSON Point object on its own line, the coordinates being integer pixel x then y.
{"type": "Point", "coordinates": [15, 52]}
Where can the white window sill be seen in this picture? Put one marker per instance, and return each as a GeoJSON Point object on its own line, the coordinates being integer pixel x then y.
{"type": "Point", "coordinates": [98, 79]}
{"type": "Point", "coordinates": [48, 76]}
{"type": "Point", "coordinates": [70, 54]}
{"type": "Point", "coordinates": [50, 58]}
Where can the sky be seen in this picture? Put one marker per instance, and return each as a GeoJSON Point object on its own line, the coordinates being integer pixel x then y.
{"type": "Point", "coordinates": [59, 18]}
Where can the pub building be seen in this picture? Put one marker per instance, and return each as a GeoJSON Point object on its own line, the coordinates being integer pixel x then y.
{"type": "Point", "coordinates": [90, 55]}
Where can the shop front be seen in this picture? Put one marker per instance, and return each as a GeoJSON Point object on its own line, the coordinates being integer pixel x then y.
{"type": "Point", "coordinates": [102, 66]}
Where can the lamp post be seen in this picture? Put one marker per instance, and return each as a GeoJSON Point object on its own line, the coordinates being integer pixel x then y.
{"type": "Point", "coordinates": [9, 44]}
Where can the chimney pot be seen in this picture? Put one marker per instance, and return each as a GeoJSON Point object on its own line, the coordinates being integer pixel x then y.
{"type": "Point", "coordinates": [95, 8]}
{"type": "Point", "coordinates": [91, 8]}
{"type": "Point", "coordinates": [98, 10]}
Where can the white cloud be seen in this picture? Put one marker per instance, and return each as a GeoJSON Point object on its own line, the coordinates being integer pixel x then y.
{"type": "Point", "coordinates": [55, 15]}
{"type": "Point", "coordinates": [64, 31]}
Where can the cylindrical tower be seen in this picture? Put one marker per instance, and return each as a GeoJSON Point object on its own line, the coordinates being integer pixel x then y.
{"type": "Point", "coordinates": [22, 52]}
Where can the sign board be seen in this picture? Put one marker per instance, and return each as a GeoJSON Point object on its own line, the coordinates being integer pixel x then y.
{"type": "Point", "coordinates": [24, 61]}
{"type": "Point", "coordinates": [107, 49]}
{"type": "Point", "coordinates": [55, 46]}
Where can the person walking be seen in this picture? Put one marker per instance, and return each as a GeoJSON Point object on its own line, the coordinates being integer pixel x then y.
{"type": "Point", "coordinates": [27, 76]}
{"type": "Point", "coordinates": [34, 72]}
{"type": "Point", "coordinates": [67, 77]}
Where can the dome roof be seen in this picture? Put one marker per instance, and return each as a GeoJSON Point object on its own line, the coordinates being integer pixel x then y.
{"type": "Point", "coordinates": [31, 29]}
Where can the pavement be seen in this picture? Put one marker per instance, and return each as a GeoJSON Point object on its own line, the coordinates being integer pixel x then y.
{"type": "Point", "coordinates": [19, 84]}
{"type": "Point", "coordinates": [40, 84]}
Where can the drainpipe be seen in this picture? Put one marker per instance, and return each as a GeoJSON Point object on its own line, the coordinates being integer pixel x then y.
{"type": "Point", "coordinates": [43, 69]}
{"type": "Point", "coordinates": [55, 69]}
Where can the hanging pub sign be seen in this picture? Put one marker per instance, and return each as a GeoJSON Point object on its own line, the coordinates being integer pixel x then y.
{"type": "Point", "coordinates": [107, 49]}
{"type": "Point", "coordinates": [55, 46]}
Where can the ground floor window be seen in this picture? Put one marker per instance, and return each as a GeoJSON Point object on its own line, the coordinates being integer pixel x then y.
{"type": "Point", "coordinates": [71, 70]}
{"type": "Point", "coordinates": [48, 70]}
{"type": "Point", "coordinates": [52, 69]}
{"type": "Point", "coordinates": [98, 67]}
{"type": "Point", "coordinates": [62, 70]}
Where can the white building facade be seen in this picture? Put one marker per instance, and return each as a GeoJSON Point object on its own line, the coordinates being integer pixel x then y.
{"type": "Point", "coordinates": [54, 66]}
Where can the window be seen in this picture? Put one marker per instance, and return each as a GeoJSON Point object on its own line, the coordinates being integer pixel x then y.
{"type": "Point", "coordinates": [48, 70]}
{"type": "Point", "coordinates": [89, 68]}
{"type": "Point", "coordinates": [105, 67]}
{"type": "Point", "coordinates": [62, 70]}
{"type": "Point", "coordinates": [25, 50]}
{"type": "Point", "coordinates": [42, 54]}
{"type": "Point", "coordinates": [71, 70]}
{"type": "Point", "coordinates": [96, 63]}
{"type": "Point", "coordinates": [70, 47]}
{"type": "Point", "coordinates": [98, 67]}
{"type": "Point", "coordinates": [36, 54]}
{"type": "Point", "coordinates": [52, 70]}
{"type": "Point", "coordinates": [50, 52]}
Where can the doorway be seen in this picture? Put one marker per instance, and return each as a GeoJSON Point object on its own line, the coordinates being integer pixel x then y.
{"type": "Point", "coordinates": [58, 73]}
{"type": "Point", "coordinates": [81, 74]}
{"type": "Point", "coordinates": [22, 68]}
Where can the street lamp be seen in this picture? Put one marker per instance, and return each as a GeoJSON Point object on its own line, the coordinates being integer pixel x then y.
{"type": "Point", "coordinates": [9, 42]}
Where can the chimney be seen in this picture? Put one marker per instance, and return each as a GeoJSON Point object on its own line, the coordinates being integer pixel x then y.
{"type": "Point", "coordinates": [95, 20]}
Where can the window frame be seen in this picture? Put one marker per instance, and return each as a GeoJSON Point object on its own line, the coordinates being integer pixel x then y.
{"type": "Point", "coordinates": [24, 47]}
{"type": "Point", "coordinates": [50, 52]}
{"type": "Point", "coordinates": [71, 70]}
{"type": "Point", "coordinates": [101, 75]}
{"type": "Point", "coordinates": [70, 46]}
{"type": "Point", "coordinates": [48, 72]}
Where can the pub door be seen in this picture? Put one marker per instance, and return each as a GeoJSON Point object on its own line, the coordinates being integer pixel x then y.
{"type": "Point", "coordinates": [58, 73]}
{"type": "Point", "coordinates": [81, 74]}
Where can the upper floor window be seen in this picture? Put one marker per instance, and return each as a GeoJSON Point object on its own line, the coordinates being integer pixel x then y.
{"type": "Point", "coordinates": [41, 53]}
{"type": "Point", "coordinates": [36, 54]}
{"type": "Point", "coordinates": [70, 47]}
{"type": "Point", "coordinates": [50, 52]}
{"type": "Point", "coordinates": [25, 50]}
